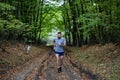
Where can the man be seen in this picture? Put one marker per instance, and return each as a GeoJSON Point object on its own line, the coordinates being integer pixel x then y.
{"type": "Point", "coordinates": [59, 44]}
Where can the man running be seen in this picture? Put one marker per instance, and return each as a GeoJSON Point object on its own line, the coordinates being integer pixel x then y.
{"type": "Point", "coordinates": [59, 44]}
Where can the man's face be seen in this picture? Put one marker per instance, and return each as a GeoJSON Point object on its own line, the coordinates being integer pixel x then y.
{"type": "Point", "coordinates": [58, 35]}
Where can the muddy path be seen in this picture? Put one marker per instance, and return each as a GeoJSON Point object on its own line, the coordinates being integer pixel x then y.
{"type": "Point", "coordinates": [44, 68]}
{"type": "Point", "coordinates": [48, 71]}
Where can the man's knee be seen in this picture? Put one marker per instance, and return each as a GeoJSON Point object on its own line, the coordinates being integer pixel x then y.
{"type": "Point", "coordinates": [61, 57]}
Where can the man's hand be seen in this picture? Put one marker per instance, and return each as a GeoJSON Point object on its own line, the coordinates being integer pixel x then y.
{"type": "Point", "coordinates": [61, 44]}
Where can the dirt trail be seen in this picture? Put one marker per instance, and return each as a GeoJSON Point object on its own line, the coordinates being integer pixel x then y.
{"type": "Point", "coordinates": [44, 68]}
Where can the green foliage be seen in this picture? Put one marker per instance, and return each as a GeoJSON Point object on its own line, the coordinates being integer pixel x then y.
{"type": "Point", "coordinates": [83, 21]}
{"type": "Point", "coordinates": [6, 7]}
{"type": "Point", "coordinates": [92, 21]}
{"type": "Point", "coordinates": [39, 19]}
{"type": "Point", "coordinates": [10, 28]}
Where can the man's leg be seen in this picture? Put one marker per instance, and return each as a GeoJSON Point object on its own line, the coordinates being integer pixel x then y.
{"type": "Point", "coordinates": [61, 61]}
{"type": "Point", "coordinates": [60, 64]}
{"type": "Point", "coordinates": [57, 57]}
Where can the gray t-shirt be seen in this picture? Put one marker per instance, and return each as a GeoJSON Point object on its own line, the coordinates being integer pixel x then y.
{"type": "Point", "coordinates": [57, 42]}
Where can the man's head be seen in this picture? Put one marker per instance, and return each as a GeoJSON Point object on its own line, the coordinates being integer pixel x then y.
{"type": "Point", "coordinates": [59, 34]}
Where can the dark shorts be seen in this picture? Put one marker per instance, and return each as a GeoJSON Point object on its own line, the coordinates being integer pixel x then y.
{"type": "Point", "coordinates": [60, 53]}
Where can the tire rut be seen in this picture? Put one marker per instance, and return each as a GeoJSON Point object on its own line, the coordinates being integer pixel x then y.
{"type": "Point", "coordinates": [48, 71]}
{"type": "Point", "coordinates": [25, 70]}
{"type": "Point", "coordinates": [45, 68]}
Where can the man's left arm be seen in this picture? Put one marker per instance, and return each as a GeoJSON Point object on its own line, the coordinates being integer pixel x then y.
{"type": "Point", "coordinates": [64, 43]}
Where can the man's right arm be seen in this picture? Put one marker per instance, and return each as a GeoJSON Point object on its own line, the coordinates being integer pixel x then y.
{"type": "Point", "coordinates": [54, 44]}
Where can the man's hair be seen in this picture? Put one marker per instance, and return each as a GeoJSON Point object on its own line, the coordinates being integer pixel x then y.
{"type": "Point", "coordinates": [59, 33]}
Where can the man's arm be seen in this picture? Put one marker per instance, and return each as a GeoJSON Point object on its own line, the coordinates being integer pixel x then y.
{"type": "Point", "coordinates": [64, 44]}
{"type": "Point", "coordinates": [54, 44]}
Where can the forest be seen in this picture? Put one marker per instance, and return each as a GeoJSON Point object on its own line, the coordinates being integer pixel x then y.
{"type": "Point", "coordinates": [82, 21]}
{"type": "Point", "coordinates": [92, 23]}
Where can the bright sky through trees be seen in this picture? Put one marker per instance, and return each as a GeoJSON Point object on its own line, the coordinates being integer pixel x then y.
{"type": "Point", "coordinates": [57, 3]}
